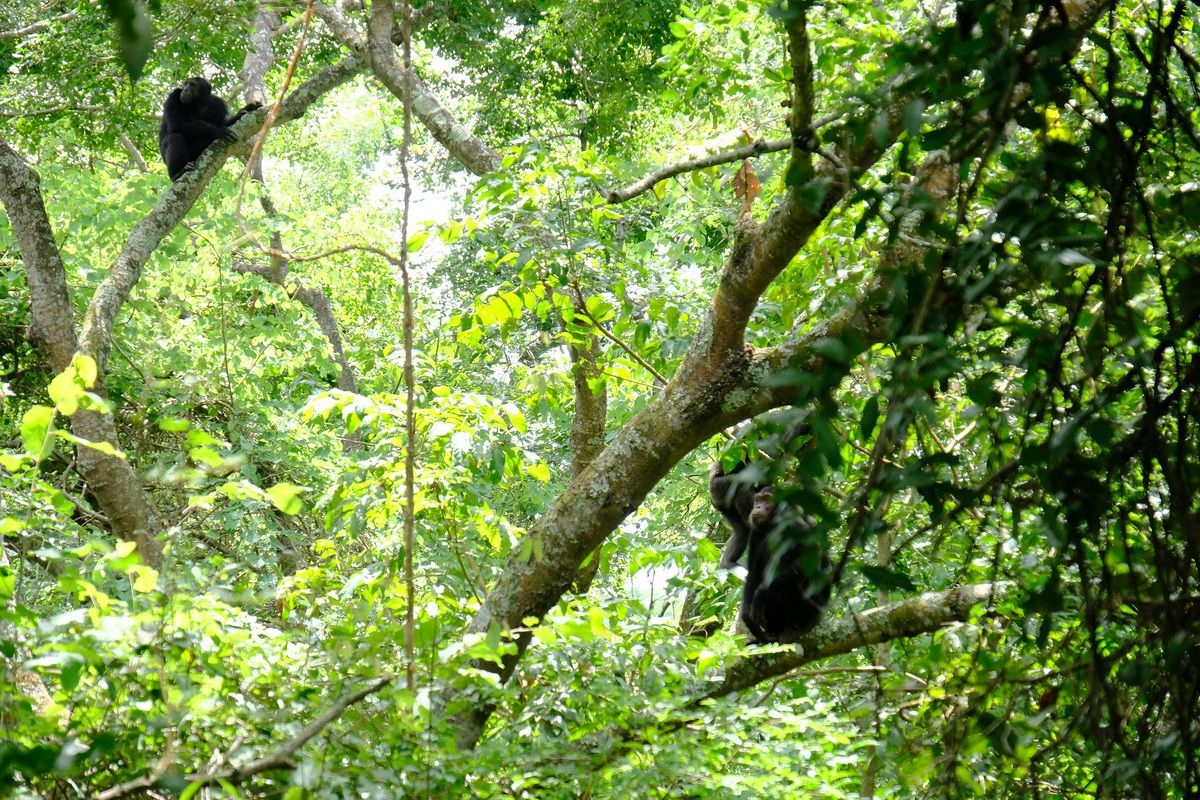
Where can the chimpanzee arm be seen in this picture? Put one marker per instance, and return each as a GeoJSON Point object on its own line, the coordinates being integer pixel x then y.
{"type": "Point", "coordinates": [250, 107]}
{"type": "Point", "coordinates": [733, 497]}
{"type": "Point", "coordinates": [736, 544]}
{"type": "Point", "coordinates": [189, 121]}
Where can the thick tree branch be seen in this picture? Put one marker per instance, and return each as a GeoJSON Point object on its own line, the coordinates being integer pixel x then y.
{"type": "Point", "coordinates": [95, 337]}
{"type": "Point", "coordinates": [52, 328]}
{"type": "Point", "coordinates": [591, 415]}
{"type": "Point", "coordinates": [379, 31]}
{"type": "Point", "coordinates": [925, 613]}
{"type": "Point", "coordinates": [914, 616]}
{"type": "Point", "coordinates": [800, 121]}
{"type": "Point", "coordinates": [463, 145]}
{"type": "Point", "coordinates": [112, 478]}
{"type": "Point", "coordinates": [718, 384]}
{"type": "Point", "coordinates": [312, 90]}
{"type": "Point", "coordinates": [709, 392]}
{"type": "Point", "coordinates": [260, 57]}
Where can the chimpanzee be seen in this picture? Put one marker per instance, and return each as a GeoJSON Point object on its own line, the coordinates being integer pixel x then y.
{"type": "Point", "coordinates": [788, 573]}
{"type": "Point", "coordinates": [193, 118]}
{"type": "Point", "coordinates": [733, 492]}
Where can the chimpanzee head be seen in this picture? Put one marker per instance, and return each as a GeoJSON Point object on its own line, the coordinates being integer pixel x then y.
{"type": "Point", "coordinates": [195, 90]}
{"type": "Point", "coordinates": [762, 513]}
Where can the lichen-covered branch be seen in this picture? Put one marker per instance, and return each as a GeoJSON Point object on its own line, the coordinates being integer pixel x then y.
{"type": "Point", "coordinates": [588, 421]}
{"type": "Point", "coordinates": [925, 613]}
{"type": "Point", "coordinates": [112, 479]}
{"type": "Point", "coordinates": [719, 382]}
{"type": "Point", "coordinates": [472, 152]}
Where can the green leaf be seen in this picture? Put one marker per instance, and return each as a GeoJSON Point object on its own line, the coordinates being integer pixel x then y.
{"type": "Point", "coordinates": [173, 425]}
{"type": "Point", "coordinates": [286, 497]}
{"type": "Point", "coordinates": [85, 369]}
{"type": "Point", "coordinates": [35, 431]}
{"type": "Point", "coordinates": [199, 437]}
{"type": "Point", "coordinates": [869, 418]}
{"type": "Point", "coordinates": [69, 677]}
{"type": "Point", "coordinates": [64, 392]}
{"type": "Point", "coordinates": [516, 418]}
{"type": "Point", "coordinates": [8, 582]}
{"type": "Point", "coordinates": [886, 579]}
{"type": "Point", "coordinates": [69, 389]}
{"type": "Point", "coordinates": [143, 578]}
{"type": "Point", "coordinates": [12, 463]}
{"type": "Point", "coordinates": [99, 447]}
{"type": "Point", "coordinates": [206, 456]}
{"type": "Point", "coordinates": [600, 309]}
{"type": "Point", "coordinates": [135, 37]}
{"type": "Point", "coordinates": [60, 502]}
{"type": "Point", "coordinates": [416, 240]}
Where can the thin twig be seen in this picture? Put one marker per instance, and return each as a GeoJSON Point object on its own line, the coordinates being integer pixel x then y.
{"type": "Point", "coordinates": [741, 153]}
{"type": "Point", "coordinates": [658, 376]}
{"type": "Point", "coordinates": [671, 170]}
{"type": "Point", "coordinates": [280, 759]}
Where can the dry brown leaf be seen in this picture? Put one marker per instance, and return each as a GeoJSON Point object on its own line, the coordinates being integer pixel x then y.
{"type": "Point", "coordinates": [745, 187]}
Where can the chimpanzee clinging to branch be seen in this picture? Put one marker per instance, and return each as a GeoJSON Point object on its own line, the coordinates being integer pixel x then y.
{"type": "Point", "coordinates": [788, 573]}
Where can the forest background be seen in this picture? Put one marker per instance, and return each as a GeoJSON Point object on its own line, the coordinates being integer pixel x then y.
{"type": "Point", "coordinates": [379, 467]}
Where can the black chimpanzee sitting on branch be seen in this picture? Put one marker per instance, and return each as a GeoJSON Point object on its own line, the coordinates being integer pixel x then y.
{"type": "Point", "coordinates": [193, 118]}
{"type": "Point", "coordinates": [788, 573]}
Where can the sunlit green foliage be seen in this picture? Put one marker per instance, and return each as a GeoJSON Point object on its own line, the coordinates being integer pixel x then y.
{"type": "Point", "coordinates": [1027, 415]}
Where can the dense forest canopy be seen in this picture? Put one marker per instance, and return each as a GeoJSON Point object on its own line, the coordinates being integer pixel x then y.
{"type": "Point", "coordinates": [372, 456]}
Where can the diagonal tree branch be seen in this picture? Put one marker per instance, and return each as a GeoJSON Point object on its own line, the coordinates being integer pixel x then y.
{"type": "Point", "coordinates": [716, 385]}
{"type": "Point", "coordinates": [111, 478]}
{"type": "Point", "coordinates": [914, 616]}
{"type": "Point", "coordinates": [925, 613]}
{"type": "Point", "coordinates": [647, 183]}
{"type": "Point", "coordinates": [712, 389]}
{"type": "Point", "coordinates": [95, 336]}
{"type": "Point", "coordinates": [464, 146]}
{"type": "Point", "coordinates": [280, 759]}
